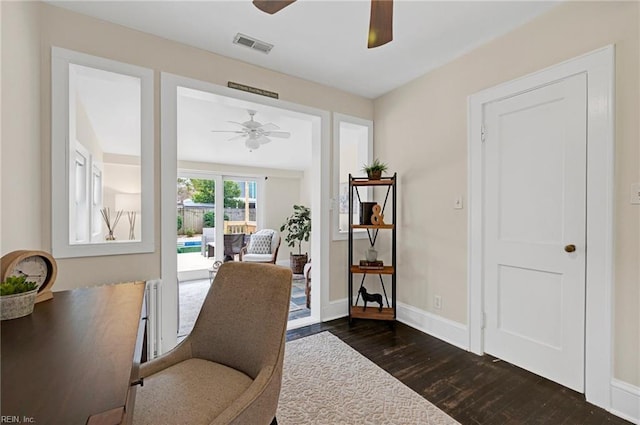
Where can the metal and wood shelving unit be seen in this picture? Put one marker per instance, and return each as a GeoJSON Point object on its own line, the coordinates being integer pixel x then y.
{"type": "Point", "coordinates": [372, 311]}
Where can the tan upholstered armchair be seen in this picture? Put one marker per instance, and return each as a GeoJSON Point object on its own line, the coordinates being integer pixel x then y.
{"type": "Point", "coordinates": [229, 369]}
{"type": "Point", "coordinates": [258, 252]}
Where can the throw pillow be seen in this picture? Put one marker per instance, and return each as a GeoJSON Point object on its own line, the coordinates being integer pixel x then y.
{"type": "Point", "coordinates": [259, 244]}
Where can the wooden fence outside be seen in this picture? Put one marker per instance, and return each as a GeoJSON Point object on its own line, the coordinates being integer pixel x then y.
{"type": "Point", "coordinates": [193, 220]}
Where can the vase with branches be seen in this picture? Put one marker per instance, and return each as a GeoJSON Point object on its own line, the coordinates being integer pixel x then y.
{"type": "Point", "coordinates": [111, 225]}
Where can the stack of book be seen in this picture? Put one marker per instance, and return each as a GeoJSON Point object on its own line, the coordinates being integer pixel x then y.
{"type": "Point", "coordinates": [371, 265]}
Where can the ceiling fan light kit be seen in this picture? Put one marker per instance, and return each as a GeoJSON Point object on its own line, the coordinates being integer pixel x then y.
{"type": "Point", "coordinates": [252, 144]}
{"type": "Point", "coordinates": [380, 21]}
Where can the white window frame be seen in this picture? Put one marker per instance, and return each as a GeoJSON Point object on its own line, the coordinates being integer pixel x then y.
{"type": "Point", "coordinates": [365, 192]}
{"type": "Point", "coordinates": [61, 153]}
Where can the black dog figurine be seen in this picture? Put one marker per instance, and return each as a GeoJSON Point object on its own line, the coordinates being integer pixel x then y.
{"type": "Point", "coordinates": [374, 298]}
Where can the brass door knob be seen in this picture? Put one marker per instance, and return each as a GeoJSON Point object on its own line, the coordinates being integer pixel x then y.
{"type": "Point", "coordinates": [570, 248]}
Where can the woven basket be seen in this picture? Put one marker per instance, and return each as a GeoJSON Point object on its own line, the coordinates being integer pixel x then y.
{"type": "Point", "coordinates": [298, 262]}
{"type": "Point", "coordinates": [17, 305]}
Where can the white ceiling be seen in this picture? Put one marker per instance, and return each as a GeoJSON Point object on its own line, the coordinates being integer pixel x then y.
{"type": "Point", "coordinates": [112, 104]}
{"type": "Point", "coordinates": [200, 112]}
{"type": "Point", "coordinates": [322, 41]}
{"type": "Point", "coordinates": [325, 41]}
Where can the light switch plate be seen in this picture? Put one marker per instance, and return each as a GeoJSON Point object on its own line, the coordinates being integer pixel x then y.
{"type": "Point", "coordinates": [635, 194]}
{"type": "Point", "coordinates": [457, 204]}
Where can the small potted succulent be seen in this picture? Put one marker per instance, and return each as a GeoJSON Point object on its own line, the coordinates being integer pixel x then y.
{"type": "Point", "coordinates": [298, 228]}
{"type": "Point", "coordinates": [17, 297]}
{"type": "Point", "coordinates": [375, 169]}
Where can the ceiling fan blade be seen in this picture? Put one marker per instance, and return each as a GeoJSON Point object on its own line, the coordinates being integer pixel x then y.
{"type": "Point", "coordinates": [281, 134]}
{"type": "Point", "coordinates": [269, 127]}
{"type": "Point", "coordinates": [272, 6]}
{"type": "Point", "coordinates": [381, 23]}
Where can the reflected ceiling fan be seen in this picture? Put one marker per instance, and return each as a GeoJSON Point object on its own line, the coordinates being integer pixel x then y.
{"type": "Point", "coordinates": [380, 21]}
{"type": "Point", "coordinates": [256, 134]}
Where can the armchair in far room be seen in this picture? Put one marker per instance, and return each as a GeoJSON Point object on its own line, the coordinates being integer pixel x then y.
{"type": "Point", "coordinates": [307, 282]}
{"type": "Point", "coordinates": [207, 245]}
{"type": "Point", "coordinates": [233, 244]}
{"type": "Point", "coordinates": [262, 247]}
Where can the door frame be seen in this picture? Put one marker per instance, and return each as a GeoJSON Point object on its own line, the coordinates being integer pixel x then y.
{"type": "Point", "coordinates": [599, 66]}
{"type": "Point", "coordinates": [320, 199]}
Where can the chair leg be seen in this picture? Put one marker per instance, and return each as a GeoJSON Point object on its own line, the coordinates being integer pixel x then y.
{"type": "Point", "coordinates": [274, 421]}
{"type": "Point", "coordinates": [307, 291]}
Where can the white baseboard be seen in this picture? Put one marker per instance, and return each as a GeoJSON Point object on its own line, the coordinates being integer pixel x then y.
{"type": "Point", "coordinates": [193, 275]}
{"type": "Point", "coordinates": [625, 401]}
{"type": "Point", "coordinates": [447, 330]}
{"type": "Point", "coordinates": [335, 310]}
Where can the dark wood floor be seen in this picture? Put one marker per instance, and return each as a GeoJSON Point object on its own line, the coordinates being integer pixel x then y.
{"type": "Point", "coordinates": [472, 389]}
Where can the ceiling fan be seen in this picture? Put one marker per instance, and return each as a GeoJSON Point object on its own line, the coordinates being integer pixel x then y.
{"type": "Point", "coordinates": [380, 21]}
{"type": "Point", "coordinates": [256, 134]}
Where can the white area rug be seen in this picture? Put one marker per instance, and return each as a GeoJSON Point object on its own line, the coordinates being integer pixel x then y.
{"type": "Point", "coordinates": [326, 382]}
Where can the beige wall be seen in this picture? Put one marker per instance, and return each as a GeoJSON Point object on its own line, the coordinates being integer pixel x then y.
{"type": "Point", "coordinates": [431, 158]}
{"type": "Point", "coordinates": [280, 196]}
{"type": "Point", "coordinates": [22, 161]}
{"type": "Point", "coordinates": [120, 178]}
{"type": "Point", "coordinates": [29, 30]}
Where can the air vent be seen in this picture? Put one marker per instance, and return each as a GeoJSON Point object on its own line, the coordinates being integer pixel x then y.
{"type": "Point", "coordinates": [252, 43]}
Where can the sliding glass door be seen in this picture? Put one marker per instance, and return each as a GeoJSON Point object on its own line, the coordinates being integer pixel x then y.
{"type": "Point", "coordinates": [209, 207]}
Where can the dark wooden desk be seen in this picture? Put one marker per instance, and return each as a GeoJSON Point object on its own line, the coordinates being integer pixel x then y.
{"type": "Point", "coordinates": [73, 360]}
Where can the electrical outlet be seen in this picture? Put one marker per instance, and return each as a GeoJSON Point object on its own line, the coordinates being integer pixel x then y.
{"type": "Point", "coordinates": [437, 302]}
{"type": "Point", "coordinates": [635, 194]}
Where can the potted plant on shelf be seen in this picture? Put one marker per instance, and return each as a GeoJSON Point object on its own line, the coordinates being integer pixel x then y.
{"type": "Point", "coordinates": [298, 229]}
{"type": "Point", "coordinates": [17, 297]}
{"type": "Point", "coordinates": [375, 169]}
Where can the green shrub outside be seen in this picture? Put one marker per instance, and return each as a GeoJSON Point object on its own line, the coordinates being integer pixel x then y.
{"type": "Point", "coordinates": [209, 219]}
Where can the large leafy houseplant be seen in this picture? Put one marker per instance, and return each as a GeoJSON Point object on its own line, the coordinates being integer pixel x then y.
{"type": "Point", "coordinates": [298, 228]}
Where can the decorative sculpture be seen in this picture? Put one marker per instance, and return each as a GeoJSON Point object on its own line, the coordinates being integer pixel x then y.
{"type": "Point", "coordinates": [367, 297]}
{"type": "Point", "coordinates": [377, 218]}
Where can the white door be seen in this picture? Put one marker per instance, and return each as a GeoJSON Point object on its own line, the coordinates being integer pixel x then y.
{"type": "Point", "coordinates": [535, 212]}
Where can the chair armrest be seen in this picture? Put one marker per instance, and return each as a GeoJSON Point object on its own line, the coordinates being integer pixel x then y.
{"type": "Point", "coordinates": [275, 254]}
{"type": "Point", "coordinates": [180, 353]}
{"type": "Point", "coordinates": [243, 251]}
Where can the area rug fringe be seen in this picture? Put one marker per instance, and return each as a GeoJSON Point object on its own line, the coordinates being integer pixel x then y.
{"type": "Point", "coordinates": [326, 382]}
